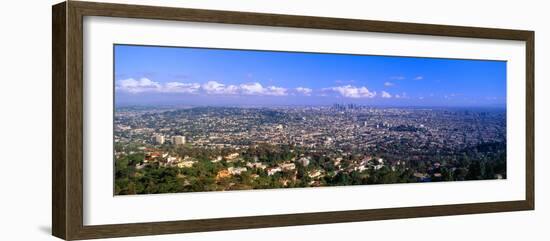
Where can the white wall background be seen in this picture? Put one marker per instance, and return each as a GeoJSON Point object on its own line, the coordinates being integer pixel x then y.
{"type": "Point", "coordinates": [25, 122]}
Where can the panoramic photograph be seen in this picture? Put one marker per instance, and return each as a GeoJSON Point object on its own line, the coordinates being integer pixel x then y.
{"type": "Point", "coordinates": [200, 119]}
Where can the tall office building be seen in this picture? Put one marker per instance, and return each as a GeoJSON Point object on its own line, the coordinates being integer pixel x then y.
{"type": "Point", "coordinates": [178, 140]}
{"type": "Point", "coordinates": [159, 139]}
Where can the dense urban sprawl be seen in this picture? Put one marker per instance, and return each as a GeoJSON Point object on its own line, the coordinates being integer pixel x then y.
{"type": "Point", "coordinates": [189, 149]}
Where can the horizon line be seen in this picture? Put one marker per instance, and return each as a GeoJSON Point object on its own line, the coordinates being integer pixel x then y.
{"type": "Point", "coordinates": [302, 105]}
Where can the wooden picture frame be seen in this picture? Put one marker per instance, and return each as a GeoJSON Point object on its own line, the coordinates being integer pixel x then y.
{"type": "Point", "coordinates": [67, 123]}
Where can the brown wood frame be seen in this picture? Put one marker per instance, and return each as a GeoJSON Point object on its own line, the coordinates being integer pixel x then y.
{"type": "Point", "coordinates": [67, 121]}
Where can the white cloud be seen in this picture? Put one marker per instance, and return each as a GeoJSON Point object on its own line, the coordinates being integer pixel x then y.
{"type": "Point", "coordinates": [138, 86]}
{"type": "Point", "coordinates": [231, 89]}
{"type": "Point", "coordinates": [214, 87]}
{"type": "Point", "coordinates": [350, 91]}
{"type": "Point", "coordinates": [276, 91]}
{"type": "Point", "coordinates": [178, 87]}
{"type": "Point", "coordinates": [388, 84]}
{"type": "Point", "coordinates": [419, 78]}
{"type": "Point", "coordinates": [145, 85]}
{"type": "Point", "coordinates": [385, 94]}
{"type": "Point", "coordinates": [257, 89]}
{"type": "Point", "coordinates": [252, 88]}
{"type": "Point", "coordinates": [305, 91]}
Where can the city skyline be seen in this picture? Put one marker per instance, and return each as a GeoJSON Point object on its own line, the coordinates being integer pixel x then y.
{"type": "Point", "coordinates": [149, 75]}
{"type": "Point", "coordinates": [303, 120]}
{"type": "Point", "coordinates": [202, 149]}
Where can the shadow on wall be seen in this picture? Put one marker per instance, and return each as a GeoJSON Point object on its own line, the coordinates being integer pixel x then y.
{"type": "Point", "coordinates": [45, 229]}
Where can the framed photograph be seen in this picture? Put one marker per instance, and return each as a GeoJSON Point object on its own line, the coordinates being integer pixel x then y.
{"type": "Point", "coordinates": [171, 120]}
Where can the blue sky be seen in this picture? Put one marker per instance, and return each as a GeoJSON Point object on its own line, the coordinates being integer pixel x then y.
{"type": "Point", "coordinates": [148, 75]}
